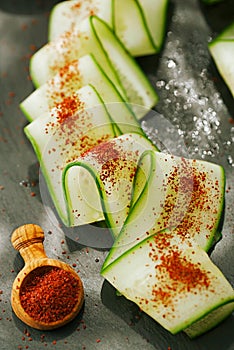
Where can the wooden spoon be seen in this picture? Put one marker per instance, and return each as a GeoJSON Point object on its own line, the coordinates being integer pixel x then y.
{"type": "Point", "coordinates": [28, 240]}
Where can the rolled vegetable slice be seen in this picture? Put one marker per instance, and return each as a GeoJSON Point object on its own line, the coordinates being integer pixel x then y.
{"type": "Point", "coordinates": [158, 260]}
{"type": "Point", "coordinates": [94, 36]}
{"type": "Point", "coordinates": [174, 281]}
{"type": "Point", "coordinates": [170, 191]}
{"type": "Point", "coordinates": [127, 19]}
{"type": "Point", "coordinates": [67, 14]}
{"type": "Point", "coordinates": [124, 17]}
{"type": "Point", "coordinates": [154, 14]}
{"type": "Point", "coordinates": [60, 137]}
{"type": "Point", "coordinates": [98, 185]}
{"type": "Point", "coordinates": [65, 84]}
{"type": "Point", "coordinates": [222, 51]}
{"type": "Point", "coordinates": [70, 46]}
{"type": "Point", "coordinates": [66, 81]}
{"type": "Point", "coordinates": [135, 83]}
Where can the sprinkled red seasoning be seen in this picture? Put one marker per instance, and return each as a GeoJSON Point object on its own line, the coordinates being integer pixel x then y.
{"type": "Point", "coordinates": [67, 107]}
{"type": "Point", "coordinates": [70, 51]}
{"type": "Point", "coordinates": [105, 152]}
{"type": "Point", "coordinates": [172, 265]}
{"type": "Point", "coordinates": [191, 189]}
{"type": "Point", "coordinates": [49, 294]}
{"type": "Point", "coordinates": [67, 84]}
{"type": "Point", "coordinates": [113, 159]}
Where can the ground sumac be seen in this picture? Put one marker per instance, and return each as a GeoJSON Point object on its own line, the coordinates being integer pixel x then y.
{"type": "Point", "coordinates": [49, 294]}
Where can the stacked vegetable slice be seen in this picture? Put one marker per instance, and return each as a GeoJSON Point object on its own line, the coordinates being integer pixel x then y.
{"type": "Point", "coordinates": [163, 211]}
{"type": "Point", "coordinates": [158, 260]}
{"type": "Point", "coordinates": [94, 36]}
{"type": "Point", "coordinates": [99, 184]}
{"type": "Point", "coordinates": [164, 218]}
{"type": "Point", "coordinates": [222, 51]}
{"type": "Point", "coordinates": [149, 18]}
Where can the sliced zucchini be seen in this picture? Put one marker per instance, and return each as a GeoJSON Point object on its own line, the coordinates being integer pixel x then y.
{"type": "Point", "coordinates": [173, 280]}
{"type": "Point", "coordinates": [154, 15]}
{"type": "Point", "coordinates": [147, 17]}
{"type": "Point", "coordinates": [222, 51]}
{"type": "Point", "coordinates": [127, 19]}
{"type": "Point", "coordinates": [107, 171]}
{"type": "Point", "coordinates": [174, 192]}
{"type": "Point", "coordinates": [136, 85]}
{"type": "Point", "coordinates": [96, 37]}
{"type": "Point", "coordinates": [62, 136]}
{"type": "Point", "coordinates": [67, 14]}
{"type": "Point", "coordinates": [82, 40]}
{"type": "Point", "coordinates": [68, 80]}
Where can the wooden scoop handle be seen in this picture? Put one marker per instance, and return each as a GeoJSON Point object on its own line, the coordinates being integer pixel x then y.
{"type": "Point", "coordinates": [28, 240]}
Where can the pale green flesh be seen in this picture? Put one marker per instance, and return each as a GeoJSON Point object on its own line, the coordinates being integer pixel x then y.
{"type": "Point", "coordinates": [222, 51]}
{"type": "Point", "coordinates": [137, 45]}
{"type": "Point", "coordinates": [137, 276]}
{"type": "Point", "coordinates": [94, 36]}
{"type": "Point", "coordinates": [106, 191]}
{"type": "Point", "coordinates": [67, 14]}
{"type": "Point", "coordinates": [56, 146]}
{"type": "Point", "coordinates": [173, 199]}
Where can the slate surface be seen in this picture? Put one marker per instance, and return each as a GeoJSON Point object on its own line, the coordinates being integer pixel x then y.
{"type": "Point", "coordinates": [197, 108]}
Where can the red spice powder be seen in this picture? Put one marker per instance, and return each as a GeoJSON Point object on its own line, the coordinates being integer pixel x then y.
{"type": "Point", "coordinates": [87, 7]}
{"type": "Point", "coordinates": [66, 49]}
{"type": "Point", "coordinates": [116, 164]}
{"type": "Point", "coordinates": [171, 265]}
{"type": "Point", "coordinates": [187, 198]}
{"type": "Point", "coordinates": [105, 152]}
{"type": "Point", "coordinates": [49, 294]}
{"type": "Point", "coordinates": [67, 108]}
{"type": "Point", "coordinates": [67, 84]}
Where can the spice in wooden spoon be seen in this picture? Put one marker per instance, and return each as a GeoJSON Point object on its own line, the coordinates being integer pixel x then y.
{"type": "Point", "coordinates": [46, 293]}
